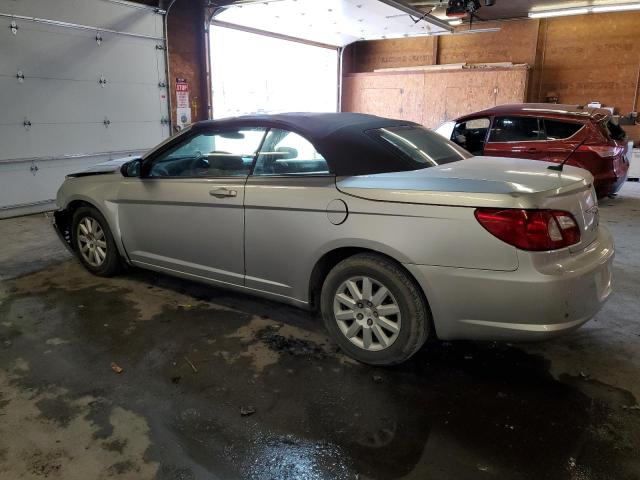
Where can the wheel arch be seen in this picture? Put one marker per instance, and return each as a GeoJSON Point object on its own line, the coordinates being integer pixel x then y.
{"type": "Point", "coordinates": [80, 201]}
{"type": "Point", "coordinates": [334, 256]}
{"type": "Point", "coordinates": [77, 201]}
{"type": "Point", "coordinates": [73, 205]}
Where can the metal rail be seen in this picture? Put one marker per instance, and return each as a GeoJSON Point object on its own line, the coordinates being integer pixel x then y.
{"type": "Point", "coordinates": [427, 17]}
{"type": "Point", "coordinates": [139, 6]}
{"type": "Point", "coordinates": [122, 153]}
{"type": "Point", "coordinates": [76, 26]}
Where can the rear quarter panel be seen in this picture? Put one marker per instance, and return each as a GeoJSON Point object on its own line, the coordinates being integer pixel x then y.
{"type": "Point", "coordinates": [288, 231]}
{"type": "Point", "coordinates": [429, 234]}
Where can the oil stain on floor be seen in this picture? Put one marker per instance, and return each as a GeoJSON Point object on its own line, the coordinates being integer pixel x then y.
{"type": "Point", "coordinates": [218, 385]}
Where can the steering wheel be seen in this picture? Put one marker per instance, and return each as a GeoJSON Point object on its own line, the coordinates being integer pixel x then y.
{"type": "Point", "coordinates": [202, 161]}
{"type": "Point", "coordinates": [200, 164]}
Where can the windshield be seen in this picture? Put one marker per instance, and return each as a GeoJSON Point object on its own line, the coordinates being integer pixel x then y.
{"type": "Point", "coordinates": [422, 147]}
{"type": "Point", "coordinates": [184, 133]}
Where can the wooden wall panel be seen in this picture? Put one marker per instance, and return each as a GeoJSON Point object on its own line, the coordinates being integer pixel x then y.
{"type": "Point", "coordinates": [633, 133]}
{"type": "Point", "coordinates": [515, 42]}
{"type": "Point", "coordinates": [451, 94]}
{"type": "Point", "coordinates": [510, 87]}
{"type": "Point", "coordinates": [395, 95]}
{"type": "Point", "coordinates": [592, 57]}
{"type": "Point", "coordinates": [405, 52]}
{"type": "Point", "coordinates": [582, 58]}
{"type": "Point", "coordinates": [431, 98]}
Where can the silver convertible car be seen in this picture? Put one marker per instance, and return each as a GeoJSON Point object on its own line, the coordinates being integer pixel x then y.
{"type": "Point", "coordinates": [394, 233]}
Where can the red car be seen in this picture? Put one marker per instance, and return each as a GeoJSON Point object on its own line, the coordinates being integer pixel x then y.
{"type": "Point", "coordinates": [584, 137]}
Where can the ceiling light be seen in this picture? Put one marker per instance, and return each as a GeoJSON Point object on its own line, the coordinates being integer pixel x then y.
{"type": "Point", "coordinates": [616, 8]}
{"type": "Point", "coordinates": [455, 22]}
{"type": "Point", "coordinates": [558, 13]}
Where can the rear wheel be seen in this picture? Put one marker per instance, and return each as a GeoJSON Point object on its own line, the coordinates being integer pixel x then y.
{"type": "Point", "coordinates": [374, 310]}
{"type": "Point", "coordinates": [93, 242]}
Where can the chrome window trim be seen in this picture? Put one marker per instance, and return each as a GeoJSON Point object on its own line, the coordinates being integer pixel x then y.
{"type": "Point", "coordinates": [545, 131]}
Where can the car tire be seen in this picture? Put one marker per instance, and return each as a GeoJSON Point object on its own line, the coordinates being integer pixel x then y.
{"type": "Point", "coordinates": [392, 337]}
{"type": "Point", "coordinates": [93, 242]}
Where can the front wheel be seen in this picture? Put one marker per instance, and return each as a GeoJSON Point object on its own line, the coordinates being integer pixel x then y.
{"type": "Point", "coordinates": [374, 310]}
{"type": "Point", "coordinates": [93, 242]}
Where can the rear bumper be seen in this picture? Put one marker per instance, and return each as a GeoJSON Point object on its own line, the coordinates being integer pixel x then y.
{"type": "Point", "coordinates": [610, 182]}
{"type": "Point", "coordinates": [536, 301]}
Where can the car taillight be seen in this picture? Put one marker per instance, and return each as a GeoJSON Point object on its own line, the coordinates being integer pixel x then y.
{"type": "Point", "coordinates": [534, 230]}
{"type": "Point", "coordinates": [603, 151]}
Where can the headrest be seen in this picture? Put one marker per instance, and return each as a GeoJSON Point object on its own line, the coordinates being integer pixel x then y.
{"type": "Point", "coordinates": [286, 153]}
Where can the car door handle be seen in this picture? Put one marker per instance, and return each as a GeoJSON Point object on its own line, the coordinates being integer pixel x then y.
{"type": "Point", "coordinates": [223, 192]}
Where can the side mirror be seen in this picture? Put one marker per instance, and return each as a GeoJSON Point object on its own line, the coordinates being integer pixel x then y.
{"type": "Point", "coordinates": [132, 168]}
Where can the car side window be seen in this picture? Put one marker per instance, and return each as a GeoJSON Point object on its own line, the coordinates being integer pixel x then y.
{"type": "Point", "coordinates": [559, 130]}
{"type": "Point", "coordinates": [287, 153]}
{"type": "Point", "coordinates": [471, 134]}
{"type": "Point", "coordinates": [228, 153]}
{"type": "Point", "coordinates": [515, 129]}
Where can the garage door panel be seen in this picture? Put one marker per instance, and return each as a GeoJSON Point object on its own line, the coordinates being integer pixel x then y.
{"type": "Point", "coordinates": [43, 178]}
{"type": "Point", "coordinates": [41, 181]}
{"type": "Point", "coordinates": [54, 140]}
{"type": "Point", "coordinates": [123, 102]}
{"type": "Point", "coordinates": [102, 13]}
{"type": "Point", "coordinates": [58, 101]}
{"type": "Point", "coordinates": [55, 52]}
{"type": "Point", "coordinates": [48, 140]}
{"type": "Point", "coordinates": [14, 193]}
{"type": "Point", "coordinates": [48, 101]}
{"type": "Point", "coordinates": [130, 135]}
{"type": "Point", "coordinates": [71, 113]}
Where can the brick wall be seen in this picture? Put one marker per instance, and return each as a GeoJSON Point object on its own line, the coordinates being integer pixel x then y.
{"type": "Point", "coordinates": [185, 32]}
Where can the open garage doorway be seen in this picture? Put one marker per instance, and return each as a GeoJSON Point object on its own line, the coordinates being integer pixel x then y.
{"type": "Point", "coordinates": [267, 74]}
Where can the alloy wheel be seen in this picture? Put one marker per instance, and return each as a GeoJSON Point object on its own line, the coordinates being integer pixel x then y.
{"type": "Point", "coordinates": [92, 243]}
{"type": "Point", "coordinates": [367, 313]}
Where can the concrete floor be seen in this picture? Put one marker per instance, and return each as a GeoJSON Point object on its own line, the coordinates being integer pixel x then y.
{"type": "Point", "coordinates": [195, 359]}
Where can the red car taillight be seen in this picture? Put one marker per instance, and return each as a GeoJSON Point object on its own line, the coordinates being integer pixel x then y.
{"type": "Point", "coordinates": [530, 229]}
{"type": "Point", "coordinates": [603, 151]}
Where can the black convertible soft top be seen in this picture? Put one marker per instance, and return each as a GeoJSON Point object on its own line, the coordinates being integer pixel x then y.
{"type": "Point", "coordinates": [340, 138]}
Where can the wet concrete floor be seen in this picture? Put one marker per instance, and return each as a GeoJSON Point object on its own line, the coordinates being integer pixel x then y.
{"type": "Point", "coordinates": [221, 385]}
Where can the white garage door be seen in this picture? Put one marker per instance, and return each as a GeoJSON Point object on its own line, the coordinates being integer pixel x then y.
{"type": "Point", "coordinates": [81, 81]}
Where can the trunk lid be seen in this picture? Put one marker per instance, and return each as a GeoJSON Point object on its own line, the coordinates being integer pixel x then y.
{"type": "Point", "coordinates": [474, 178]}
{"type": "Point", "coordinates": [488, 182]}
